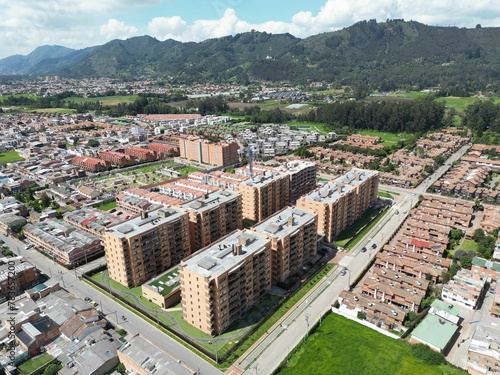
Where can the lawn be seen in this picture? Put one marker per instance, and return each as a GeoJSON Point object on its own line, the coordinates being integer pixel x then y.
{"type": "Point", "coordinates": [186, 170]}
{"type": "Point", "coordinates": [342, 346]}
{"type": "Point", "coordinates": [469, 245]}
{"type": "Point", "coordinates": [460, 104]}
{"type": "Point", "coordinates": [29, 96]}
{"type": "Point", "coordinates": [388, 139]}
{"type": "Point", "coordinates": [384, 194]}
{"type": "Point", "coordinates": [350, 236]}
{"type": "Point", "coordinates": [54, 110]}
{"type": "Point", "coordinates": [34, 363]}
{"type": "Point", "coordinates": [310, 126]}
{"type": "Point", "coordinates": [105, 100]}
{"type": "Point", "coordinates": [107, 206]}
{"type": "Point", "coordinates": [9, 157]}
{"type": "Point", "coordinates": [411, 95]}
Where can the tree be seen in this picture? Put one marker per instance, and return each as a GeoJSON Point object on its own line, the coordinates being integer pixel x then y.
{"type": "Point", "coordinates": [93, 143]}
{"type": "Point", "coordinates": [75, 141]}
{"type": "Point", "coordinates": [466, 262]}
{"type": "Point", "coordinates": [456, 234]}
{"type": "Point", "coordinates": [52, 369]}
{"type": "Point", "coordinates": [361, 315]}
{"type": "Point", "coordinates": [121, 368]}
{"type": "Point", "coordinates": [45, 200]}
{"type": "Point", "coordinates": [478, 235]}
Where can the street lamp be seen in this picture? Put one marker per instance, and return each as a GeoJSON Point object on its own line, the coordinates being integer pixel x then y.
{"type": "Point", "coordinates": [306, 317]}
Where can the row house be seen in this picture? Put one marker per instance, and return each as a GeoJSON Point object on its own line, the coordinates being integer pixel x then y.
{"type": "Point", "coordinates": [162, 150]}
{"type": "Point", "coordinates": [141, 154]}
{"type": "Point", "coordinates": [465, 289]}
{"type": "Point", "coordinates": [91, 164]}
{"type": "Point", "coordinates": [117, 158]}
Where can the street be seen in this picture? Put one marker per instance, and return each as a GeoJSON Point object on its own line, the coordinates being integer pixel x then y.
{"type": "Point", "coordinates": [113, 310]}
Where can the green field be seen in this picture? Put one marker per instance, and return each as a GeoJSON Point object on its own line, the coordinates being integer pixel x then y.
{"type": "Point", "coordinates": [68, 111]}
{"type": "Point", "coordinates": [388, 139]}
{"type": "Point", "coordinates": [384, 194]}
{"type": "Point", "coordinates": [105, 100]}
{"type": "Point", "coordinates": [469, 245]}
{"type": "Point", "coordinates": [460, 104]}
{"type": "Point", "coordinates": [309, 126]}
{"type": "Point", "coordinates": [350, 236]}
{"type": "Point", "coordinates": [30, 96]}
{"type": "Point", "coordinates": [9, 157]}
{"type": "Point", "coordinates": [411, 95]}
{"type": "Point", "coordinates": [34, 363]}
{"type": "Point", "coordinates": [342, 346]}
{"type": "Point", "coordinates": [107, 206]}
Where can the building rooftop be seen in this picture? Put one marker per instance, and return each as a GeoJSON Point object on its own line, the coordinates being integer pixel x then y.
{"type": "Point", "coordinates": [330, 192]}
{"type": "Point", "coordinates": [226, 254]}
{"type": "Point", "coordinates": [145, 223]}
{"type": "Point", "coordinates": [263, 179]}
{"type": "Point", "coordinates": [355, 177]}
{"type": "Point", "coordinates": [210, 200]}
{"type": "Point", "coordinates": [435, 330]}
{"type": "Point", "coordinates": [488, 264]}
{"type": "Point", "coordinates": [165, 283]}
{"type": "Point", "coordinates": [152, 358]}
{"type": "Point", "coordinates": [284, 222]}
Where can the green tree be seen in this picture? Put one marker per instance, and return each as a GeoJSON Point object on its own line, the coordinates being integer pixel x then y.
{"type": "Point", "coordinates": [121, 368]}
{"type": "Point", "coordinates": [361, 315]}
{"type": "Point", "coordinates": [45, 200]}
{"type": "Point", "coordinates": [466, 262]}
{"type": "Point", "coordinates": [93, 143]}
{"type": "Point", "coordinates": [52, 369]}
{"type": "Point", "coordinates": [478, 235]}
{"type": "Point", "coordinates": [75, 141]}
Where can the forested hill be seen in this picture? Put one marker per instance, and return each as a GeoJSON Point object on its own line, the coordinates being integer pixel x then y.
{"type": "Point", "coordinates": [386, 54]}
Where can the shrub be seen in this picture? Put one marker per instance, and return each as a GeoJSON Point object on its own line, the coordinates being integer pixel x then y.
{"type": "Point", "coordinates": [427, 355]}
{"type": "Point", "coordinates": [361, 315]}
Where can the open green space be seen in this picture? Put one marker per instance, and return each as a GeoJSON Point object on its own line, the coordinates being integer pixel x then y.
{"type": "Point", "coordinates": [64, 111]}
{"type": "Point", "coordinates": [342, 346]}
{"type": "Point", "coordinates": [107, 206]}
{"type": "Point", "coordinates": [105, 100]}
{"type": "Point", "coordinates": [460, 104]}
{"type": "Point", "coordinates": [411, 94]}
{"type": "Point", "coordinates": [469, 245]}
{"type": "Point", "coordinates": [187, 170]}
{"type": "Point", "coordinates": [9, 157]}
{"type": "Point", "coordinates": [387, 138]}
{"type": "Point", "coordinates": [384, 194]}
{"type": "Point", "coordinates": [34, 363]}
{"type": "Point", "coordinates": [310, 126]}
{"type": "Point", "coordinates": [350, 236]}
{"type": "Point", "coordinates": [29, 96]}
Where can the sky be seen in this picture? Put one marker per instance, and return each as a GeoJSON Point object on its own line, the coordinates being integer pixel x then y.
{"type": "Point", "coordinates": [27, 24]}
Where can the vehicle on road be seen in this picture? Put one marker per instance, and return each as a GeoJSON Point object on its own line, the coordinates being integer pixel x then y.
{"type": "Point", "coordinates": [93, 303]}
{"type": "Point", "coordinates": [397, 212]}
{"type": "Point", "coordinates": [87, 299]}
{"type": "Point", "coordinates": [405, 212]}
{"type": "Point", "coordinates": [343, 272]}
{"type": "Point", "coordinates": [363, 250]}
{"type": "Point", "coordinates": [492, 290]}
{"type": "Point", "coordinates": [374, 246]}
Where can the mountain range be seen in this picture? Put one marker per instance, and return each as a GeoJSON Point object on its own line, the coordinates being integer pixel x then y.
{"type": "Point", "coordinates": [390, 53]}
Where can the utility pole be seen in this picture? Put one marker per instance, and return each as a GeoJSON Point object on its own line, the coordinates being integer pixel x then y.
{"type": "Point", "coordinates": [306, 317]}
{"type": "Point", "coordinates": [256, 368]}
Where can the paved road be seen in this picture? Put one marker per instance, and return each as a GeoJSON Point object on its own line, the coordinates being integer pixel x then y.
{"type": "Point", "coordinates": [272, 350]}
{"type": "Point", "coordinates": [113, 310]}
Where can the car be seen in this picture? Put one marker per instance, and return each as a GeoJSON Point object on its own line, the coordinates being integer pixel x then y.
{"type": "Point", "coordinates": [363, 250]}
{"type": "Point", "coordinates": [397, 212]}
{"type": "Point", "coordinates": [343, 272]}
{"type": "Point", "coordinates": [492, 290]}
{"type": "Point", "coordinates": [6, 234]}
{"type": "Point", "coordinates": [413, 193]}
{"type": "Point", "coordinates": [405, 212]}
{"type": "Point", "coordinates": [93, 303]}
{"type": "Point", "coordinates": [374, 246]}
{"type": "Point", "coordinates": [87, 299]}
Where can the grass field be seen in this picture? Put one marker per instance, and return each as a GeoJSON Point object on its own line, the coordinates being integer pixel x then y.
{"type": "Point", "coordinates": [388, 139]}
{"type": "Point", "coordinates": [34, 363]}
{"type": "Point", "coordinates": [384, 194]}
{"type": "Point", "coordinates": [353, 234]}
{"type": "Point", "coordinates": [411, 95]}
{"type": "Point", "coordinates": [469, 245]}
{"type": "Point", "coordinates": [2, 98]}
{"type": "Point", "coordinates": [105, 100]}
{"type": "Point", "coordinates": [342, 346]}
{"type": "Point", "coordinates": [9, 157]}
{"type": "Point", "coordinates": [54, 110]}
{"type": "Point", "coordinates": [309, 126]}
{"type": "Point", "coordinates": [107, 206]}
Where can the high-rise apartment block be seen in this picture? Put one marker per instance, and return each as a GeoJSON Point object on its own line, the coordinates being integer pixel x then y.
{"type": "Point", "coordinates": [293, 234]}
{"type": "Point", "coordinates": [342, 201]}
{"type": "Point", "coordinates": [264, 194]}
{"type": "Point", "coordinates": [147, 245]}
{"type": "Point", "coordinates": [212, 217]}
{"type": "Point", "coordinates": [302, 177]}
{"type": "Point", "coordinates": [220, 283]}
{"type": "Point", "coordinates": [205, 151]}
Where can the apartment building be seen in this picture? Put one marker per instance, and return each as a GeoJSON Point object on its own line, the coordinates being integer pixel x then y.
{"type": "Point", "coordinates": [15, 276]}
{"type": "Point", "coordinates": [302, 177]}
{"type": "Point", "coordinates": [264, 195]}
{"type": "Point", "coordinates": [90, 164]}
{"type": "Point", "coordinates": [212, 217]}
{"type": "Point", "coordinates": [483, 355]}
{"type": "Point", "coordinates": [342, 201]}
{"type": "Point", "coordinates": [163, 150]}
{"type": "Point", "coordinates": [204, 151]}
{"type": "Point", "coordinates": [220, 283]}
{"type": "Point", "coordinates": [293, 234]}
{"type": "Point", "coordinates": [465, 289]}
{"type": "Point", "coordinates": [63, 243]}
{"type": "Point", "coordinates": [117, 158]}
{"type": "Point", "coordinates": [92, 220]}
{"type": "Point", "coordinates": [141, 154]}
{"type": "Point", "coordinates": [147, 245]}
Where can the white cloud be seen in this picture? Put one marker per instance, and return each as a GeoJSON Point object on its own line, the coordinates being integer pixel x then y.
{"type": "Point", "coordinates": [115, 29]}
{"type": "Point", "coordinates": [166, 27]}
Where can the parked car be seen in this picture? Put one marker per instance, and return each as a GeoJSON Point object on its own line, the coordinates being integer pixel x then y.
{"type": "Point", "coordinates": [343, 272]}
{"type": "Point", "coordinates": [374, 246]}
{"type": "Point", "coordinates": [87, 299]}
{"type": "Point", "coordinates": [363, 250]}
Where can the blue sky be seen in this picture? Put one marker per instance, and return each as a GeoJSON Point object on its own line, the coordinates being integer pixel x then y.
{"type": "Point", "coordinates": [27, 24]}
